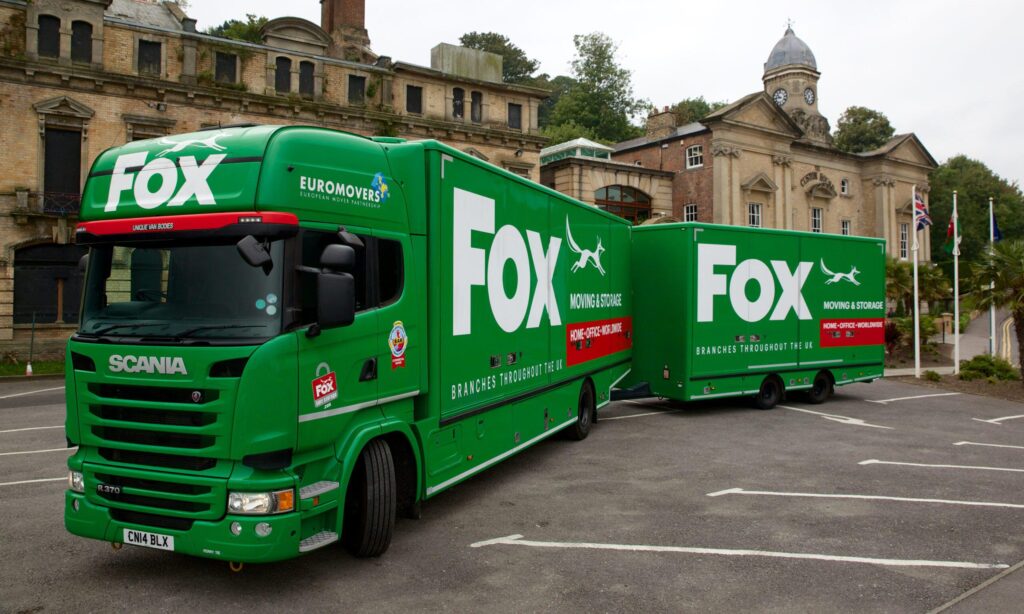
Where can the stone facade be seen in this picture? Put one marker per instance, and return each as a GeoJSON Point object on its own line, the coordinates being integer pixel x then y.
{"type": "Point", "coordinates": [768, 160]}
{"type": "Point", "coordinates": [147, 73]}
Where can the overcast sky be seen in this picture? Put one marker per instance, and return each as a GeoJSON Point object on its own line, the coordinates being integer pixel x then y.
{"type": "Point", "coordinates": [947, 70]}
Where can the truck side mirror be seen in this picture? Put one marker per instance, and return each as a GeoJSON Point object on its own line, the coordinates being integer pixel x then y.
{"type": "Point", "coordinates": [255, 253]}
{"type": "Point", "coordinates": [338, 258]}
{"type": "Point", "coordinates": [336, 300]}
{"type": "Point", "coordinates": [83, 263]}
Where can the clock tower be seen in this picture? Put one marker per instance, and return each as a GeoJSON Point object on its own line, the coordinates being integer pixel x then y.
{"type": "Point", "coordinates": [791, 80]}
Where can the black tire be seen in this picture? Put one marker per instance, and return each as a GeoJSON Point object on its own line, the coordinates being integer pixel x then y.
{"type": "Point", "coordinates": [770, 393]}
{"type": "Point", "coordinates": [820, 390]}
{"type": "Point", "coordinates": [371, 502]}
{"type": "Point", "coordinates": [586, 412]}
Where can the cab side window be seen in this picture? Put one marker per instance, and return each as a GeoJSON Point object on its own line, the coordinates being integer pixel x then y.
{"type": "Point", "coordinates": [391, 271]}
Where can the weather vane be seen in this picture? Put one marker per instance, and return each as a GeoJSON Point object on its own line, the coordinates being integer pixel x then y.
{"type": "Point", "coordinates": [789, 24]}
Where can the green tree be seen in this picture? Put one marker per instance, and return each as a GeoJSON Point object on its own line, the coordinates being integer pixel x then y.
{"type": "Point", "coordinates": [862, 129]}
{"type": "Point", "coordinates": [516, 67]}
{"type": "Point", "coordinates": [602, 97]}
{"type": "Point", "coordinates": [248, 30]}
{"type": "Point", "coordinates": [557, 87]}
{"type": "Point", "coordinates": [691, 110]}
{"type": "Point", "coordinates": [899, 284]}
{"type": "Point", "coordinates": [974, 183]}
{"type": "Point", "coordinates": [1002, 268]}
{"type": "Point", "coordinates": [568, 131]}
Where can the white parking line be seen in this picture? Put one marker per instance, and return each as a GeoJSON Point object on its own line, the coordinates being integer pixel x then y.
{"type": "Point", "coordinates": [63, 479]}
{"type": "Point", "coordinates": [740, 491]}
{"type": "Point", "coordinates": [653, 413]}
{"type": "Point", "coordinates": [38, 451]}
{"type": "Point", "coordinates": [920, 396]}
{"type": "Point", "coordinates": [999, 421]}
{"type": "Point", "coordinates": [517, 540]}
{"type": "Point", "coordinates": [32, 428]}
{"type": "Point", "coordinates": [990, 445]}
{"type": "Point", "coordinates": [838, 418]}
{"type": "Point", "coordinates": [22, 394]}
{"type": "Point", "coordinates": [880, 462]}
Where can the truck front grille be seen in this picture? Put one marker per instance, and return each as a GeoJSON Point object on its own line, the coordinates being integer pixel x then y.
{"type": "Point", "coordinates": [152, 459]}
{"type": "Point", "coordinates": [152, 520]}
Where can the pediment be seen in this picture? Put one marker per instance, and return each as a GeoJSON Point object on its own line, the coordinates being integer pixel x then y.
{"type": "Point", "coordinates": [476, 153]}
{"type": "Point", "coordinates": [910, 150]}
{"type": "Point", "coordinates": [760, 182]}
{"type": "Point", "coordinates": [757, 111]}
{"type": "Point", "coordinates": [62, 105]}
{"type": "Point", "coordinates": [821, 190]}
{"type": "Point", "coordinates": [296, 34]}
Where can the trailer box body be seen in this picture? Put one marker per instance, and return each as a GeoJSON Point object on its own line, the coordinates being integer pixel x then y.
{"type": "Point", "coordinates": [720, 308]}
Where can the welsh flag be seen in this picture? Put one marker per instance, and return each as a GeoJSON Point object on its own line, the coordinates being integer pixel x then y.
{"type": "Point", "coordinates": [952, 246]}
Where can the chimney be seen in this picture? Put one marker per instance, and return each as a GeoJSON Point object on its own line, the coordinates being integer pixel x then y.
{"type": "Point", "coordinates": [338, 13]}
{"type": "Point", "coordinates": [661, 124]}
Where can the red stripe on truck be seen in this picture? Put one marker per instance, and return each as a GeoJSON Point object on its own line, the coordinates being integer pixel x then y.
{"type": "Point", "coordinates": [591, 340]}
{"type": "Point", "coordinates": [173, 223]}
{"type": "Point", "coordinates": [847, 332]}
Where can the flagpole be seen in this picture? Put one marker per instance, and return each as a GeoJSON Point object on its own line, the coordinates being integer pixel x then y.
{"type": "Point", "coordinates": [992, 307]}
{"type": "Point", "coordinates": [917, 306]}
{"type": "Point", "coordinates": [956, 288]}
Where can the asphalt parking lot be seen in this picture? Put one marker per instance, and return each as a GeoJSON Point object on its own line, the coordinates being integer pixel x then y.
{"type": "Point", "coordinates": [887, 498]}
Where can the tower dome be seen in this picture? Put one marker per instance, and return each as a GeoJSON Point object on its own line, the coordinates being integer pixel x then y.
{"type": "Point", "coordinates": [788, 51]}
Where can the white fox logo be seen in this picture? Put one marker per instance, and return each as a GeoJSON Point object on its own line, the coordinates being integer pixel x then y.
{"type": "Point", "coordinates": [586, 255]}
{"type": "Point", "coordinates": [836, 277]}
{"type": "Point", "coordinates": [208, 143]}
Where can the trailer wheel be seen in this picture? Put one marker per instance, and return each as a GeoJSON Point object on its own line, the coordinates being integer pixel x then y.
{"type": "Point", "coordinates": [585, 415]}
{"type": "Point", "coordinates": [821, 388]}
{"type": "Point", "coordinates": [371, 502]}
{"type": "Point", "coordinates": [770, 393]}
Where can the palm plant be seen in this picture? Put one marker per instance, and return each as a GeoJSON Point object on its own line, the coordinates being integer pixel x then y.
{"type": "Point", "coordinates": [998, 279]}
{"type": "Point", "coordinates": [899, 283]}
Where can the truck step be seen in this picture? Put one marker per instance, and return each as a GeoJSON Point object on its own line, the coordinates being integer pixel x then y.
{"type": "Point", "coordinates": [319, 540]}
{"type": "Point", "coordinates": [317, 488]}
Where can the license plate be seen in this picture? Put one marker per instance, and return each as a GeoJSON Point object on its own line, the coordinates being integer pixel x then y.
{"type": "Point", "coordinates": [149, 540]}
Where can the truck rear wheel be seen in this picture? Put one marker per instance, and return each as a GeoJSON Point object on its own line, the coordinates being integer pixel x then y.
{"type": "Point", "coordinates": [585, 416]}
{"type": "Point", "coordinates": [821, 388]}
{"type": "Point", "coordinates": [371, 502]}
{"type": "Point", "coordinates": [770, 393]}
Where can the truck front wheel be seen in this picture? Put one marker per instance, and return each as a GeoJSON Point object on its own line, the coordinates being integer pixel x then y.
{"type": "Point", "coordinates": [770, 393]}
{"type": "Point", "coordinates": [371, 502]}
{"type": "Point", "coordinates": [585, 415]}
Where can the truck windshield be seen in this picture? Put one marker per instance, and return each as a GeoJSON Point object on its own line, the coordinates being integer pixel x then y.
{"type": "Point", "coordinates": [180, 292]}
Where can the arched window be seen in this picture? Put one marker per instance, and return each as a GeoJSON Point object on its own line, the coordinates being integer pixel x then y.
{"type": "Point", "coordinates": [306, 79]}
{"type": "Point", "coordinates": [624, 201]}
{"type": "Point", "coordinates": [458, 101]}
{"type": "Point", "coordinates": [81, 42]}
{"type": "Point", "coordinates": [47, 283]}
{"type": "Point", "coordinates": [283, 75]}
{"type": "Point", "coordinates": [49, 36]}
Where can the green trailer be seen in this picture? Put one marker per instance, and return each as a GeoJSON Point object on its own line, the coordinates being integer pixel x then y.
{"type": "Point", "coordinates": [727, 311]}
{"type": "Point", "coordinates": [291, 335]}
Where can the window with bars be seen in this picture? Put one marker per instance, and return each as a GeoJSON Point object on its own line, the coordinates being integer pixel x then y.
{"type": "Point", "coordinates": [754, 215]}
{"type": "Point", "coordinates": [515, 116]}
{"type": "Point", "coordinates": [690, 213]}
{"type": "Point", "coordinates": [695, 156]}
{"type": "Point", "coordinates": [476, 107]}
{"type": "Point", "coordinates": [283, 75]}
{"type": "Point", "coordinates": [458, 101]}
{"type": "Point", "coordinates": [150, 60]}
{"type": "Point", "coordinates": [816, 220]}
{"type": "Point", "coordinates": [49, 36]}
{"type": "Point", "coordinates": [307, 82]}
{"type": "Point", "coordinates": [356, 89]}
{"type": "Point", "coordinates": [413, 99]}
{"type": "Point", "coordinates": [81, 42]}
{"type": "Point", "coordinates": [226, 69]}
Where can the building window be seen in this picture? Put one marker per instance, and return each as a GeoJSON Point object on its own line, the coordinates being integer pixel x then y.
{"type": "Point", "coordinates": [844, 187]}
{"type": "Point", "coordinates": [49, 36]}
{"type": "Point", "coordinates": [283, 75]}
{"type": "Point", "coordinates": [845, 227]}
{"type": "Point", "coordinates": [624, 201]}
{"type": "Point", "coordinates": [754, 215]}
{"type": "Point", "coordinates": [306, 81]}
{"type": "Point", "coordinates": [458, 94]}
{"type": "Point", "coordinates": [904, 240]}
{"type": "Point", "coordinates": [816, 220]}
{"type": "Point", "coordinates": [356, 89]}
{"type": "Point", "coordinates": [690, 213]}
{"type": "Point", "coordinates": [476, 107]}
{"type": "Point", "coordinates": [81, 42]}
{"type": "Point", "coordinates": [413, 99]}
{"type": "Point", "coordinates": [149, 58]}
{"type": "Point", "coordinates": [515, 116]}
{"type": "Point", "coordinates": [695, 156]}
{"type": "Point", "coordinates": [47, 284]}
{"type": "Point", "coordinates": [62, 171]}
{"type": "Point", "coordinates": [226, 69]}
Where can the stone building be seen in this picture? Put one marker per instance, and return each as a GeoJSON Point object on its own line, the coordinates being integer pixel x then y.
{"type": "Point", "coordinates": [768, 160]}
{"type": "Point", "coordinates": [79, 76]}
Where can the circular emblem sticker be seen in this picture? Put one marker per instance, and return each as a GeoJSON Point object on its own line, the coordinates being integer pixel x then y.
{"type": "Point", "coordinates": [398, 341]}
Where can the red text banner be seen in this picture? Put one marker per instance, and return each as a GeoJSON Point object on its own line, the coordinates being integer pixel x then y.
{"type": "Point", "coordinates": [591, 340]}
{"type": "Point", "coordinates": [848, 332]}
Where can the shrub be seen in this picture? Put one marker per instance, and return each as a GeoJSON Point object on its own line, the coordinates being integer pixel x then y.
{"type": "Point", "coordinates": [932, 376]}
{"type": "Point", "coordinates": [987, 367]}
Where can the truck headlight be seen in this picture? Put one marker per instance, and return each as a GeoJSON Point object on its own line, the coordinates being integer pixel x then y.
{"type": "Point", "coordinates": [76, 481]}
{"type": "Point", "coordinates": [276, 502]}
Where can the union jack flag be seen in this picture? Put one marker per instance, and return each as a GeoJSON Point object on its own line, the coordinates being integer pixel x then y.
{"type": "Point", "coordinates": [921, 217]}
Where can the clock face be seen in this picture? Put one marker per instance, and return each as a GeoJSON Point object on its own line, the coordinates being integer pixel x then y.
{"type": "Point", "coordinates": [780, 96]}
{"type": "Point", "coordinates": [809, 96]}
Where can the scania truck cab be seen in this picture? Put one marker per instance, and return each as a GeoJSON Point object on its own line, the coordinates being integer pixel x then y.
{"type": "Point", "coordinates": [289, 335]}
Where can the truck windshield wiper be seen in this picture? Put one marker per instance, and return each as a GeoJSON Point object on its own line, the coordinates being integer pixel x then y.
{"type": "Point", "coordinates": [196, 329]}
{"type": "Point", "coordinates": [132, 325]}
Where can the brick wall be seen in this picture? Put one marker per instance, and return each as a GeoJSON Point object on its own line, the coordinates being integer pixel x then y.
{"type": "Point", "coordinates": [689, 186]}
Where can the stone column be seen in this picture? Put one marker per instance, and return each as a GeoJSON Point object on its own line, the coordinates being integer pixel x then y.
{"type": "Point", "coordinates": [882, 219]}
{"type": "Point", "coordinates": [726, 184]}
{"type": "Point", "coordinates": [782, 165]}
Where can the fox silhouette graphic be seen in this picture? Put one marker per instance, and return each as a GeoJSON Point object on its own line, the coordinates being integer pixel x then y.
{"type": "Point", "coordinates": [177, 146]}
{"type": "Point", "coordinates": [837, 277]}
{"type": "Point", "coordinates": [586, 255]}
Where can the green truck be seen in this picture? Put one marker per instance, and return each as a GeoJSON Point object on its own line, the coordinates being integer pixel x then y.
{"type": "Point", "coordinates": [727, 311]}
{"type": "Point", "coordinates": [290, 335]}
